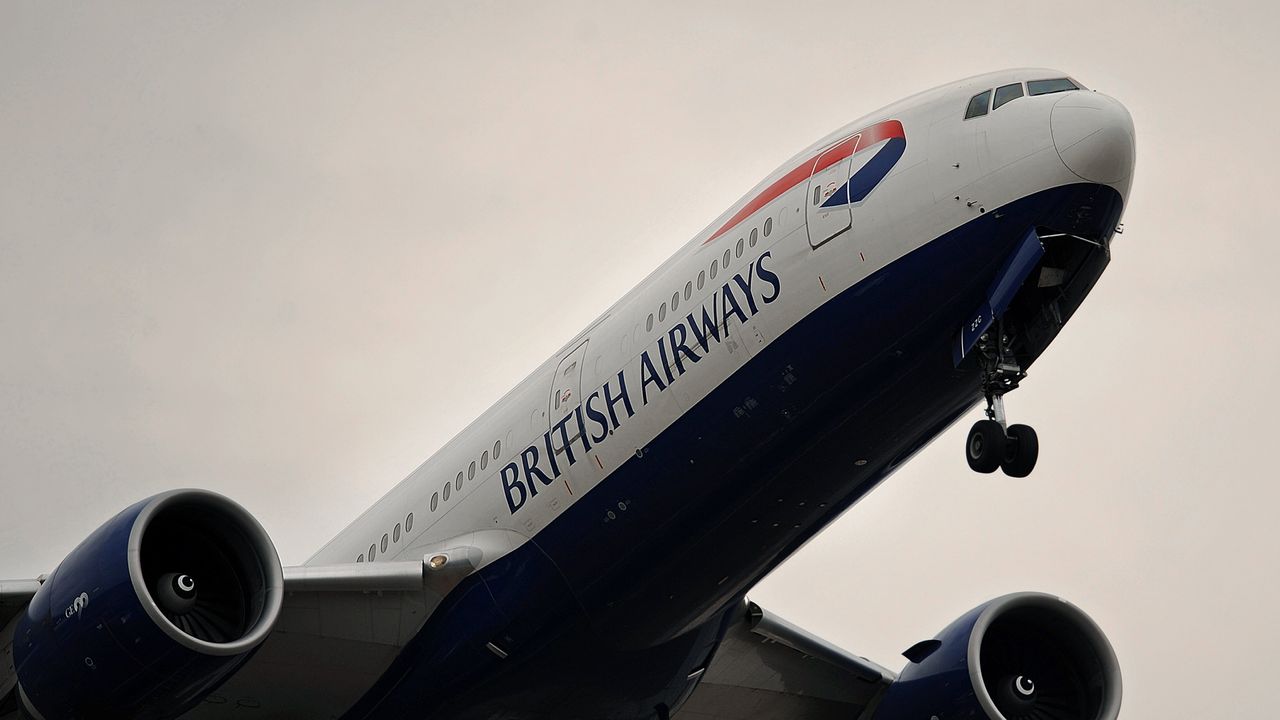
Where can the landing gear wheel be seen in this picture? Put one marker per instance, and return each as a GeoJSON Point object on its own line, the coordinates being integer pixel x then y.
{"type": "Point", "coordinates": [1021, 451]}
{"type": "Point", "coordinates": [986, 446]}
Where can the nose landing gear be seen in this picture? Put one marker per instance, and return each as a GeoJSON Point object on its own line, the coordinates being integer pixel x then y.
{"type": "Point", "coordinates": [992, 443]}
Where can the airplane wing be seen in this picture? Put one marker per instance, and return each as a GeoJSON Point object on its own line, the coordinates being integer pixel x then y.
{"type": "Point", "coordinates": [342, 625]}
{"type": "Point", "coordinates": [14, 596]}
{"type": "Point", "coordinates": [768, 669]}
{"type": "Point", "coordinates": [339, 629]}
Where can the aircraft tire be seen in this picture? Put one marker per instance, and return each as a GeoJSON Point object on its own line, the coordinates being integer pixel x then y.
{"type": "Point", "coordinates": [1021, 451]}
{"type": "Point", "coordinates": [986, 446]}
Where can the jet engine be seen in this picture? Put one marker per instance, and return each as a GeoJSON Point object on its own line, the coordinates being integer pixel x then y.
{"type": "Point", "coordinates": [150, 613]}
{"type": "Point", "coordinates": [1025, 656]}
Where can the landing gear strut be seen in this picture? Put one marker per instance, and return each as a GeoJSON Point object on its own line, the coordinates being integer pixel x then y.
{"type": "Point", "coordinates": [992, 442]}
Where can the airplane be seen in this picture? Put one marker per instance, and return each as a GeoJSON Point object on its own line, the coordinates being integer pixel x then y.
{"type": "Point", "coordinates": [585, 548]}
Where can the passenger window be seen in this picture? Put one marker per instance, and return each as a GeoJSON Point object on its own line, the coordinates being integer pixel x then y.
{"type": "Point", "coordinates": [497, 449]}
{"type": "Point", "coordinates": [688, 290]}
{"type": "Point", "coordinates": [755, 233]}
{"type": "Point", "coordinates": [1005, 93]}
{"type": "Point", "coordinates": [484, 462]}
{"type": "Point", "coordinates": [675, 301]}
{"type": "Point", "coordinates": [978, 105]}
{"type": "Point", "coordinates": [737, 250]}
{"type": "Point", "coordinates": [725, 259]}
{"type": "Point", "coordinates": [385, 539]}
{"type": "Point", "coordinates": [444, 494]}
{"type": "Point", "coordinates": [648, 324]}
{"type": "Point", "coordinates": [662, 312]}
{"type": "Point", "coordinates": [361, 558]}
{"type": "Point", "coordinates": [768, 227]}
{"type": "Point", "coordinates": [1045, 87]}
{"type": "Point", "coordinates": [435, 500]}
{"type": "Point", "coordinates": [702, 278]}
{"type": "Point", "coordinates": [408, 523]}
{"type": "Point", "coordinates": [715, 267]}
{"type": "Point", "coordinates": [372, 549]}
{"type": "Point", "coordinates": [471, 471]}
{"type": "Point", "coordinates": [395, 534]}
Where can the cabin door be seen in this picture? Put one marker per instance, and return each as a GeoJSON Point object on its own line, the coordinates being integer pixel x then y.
{"type": "Point", "coordinates": [827, 203]}
{"type": "Point", "coordinates": [566, 394]}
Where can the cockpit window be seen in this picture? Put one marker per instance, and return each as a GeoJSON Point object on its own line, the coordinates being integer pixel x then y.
{"type": "Point", "coordinates": [1005, 93]}
{"type": "Point", "coordinates": [1044, 87]}
{"type": "Point", "coordinates": [978, 105]}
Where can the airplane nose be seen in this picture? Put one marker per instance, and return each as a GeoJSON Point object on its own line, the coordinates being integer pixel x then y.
{"type": "Point", "coordinates": [1094, 136]}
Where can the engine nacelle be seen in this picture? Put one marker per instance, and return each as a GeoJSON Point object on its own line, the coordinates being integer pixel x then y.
{"type": "Point", "coordinates": [1019, 657]}
{"type": "Point", "coordinates": [151, 612]}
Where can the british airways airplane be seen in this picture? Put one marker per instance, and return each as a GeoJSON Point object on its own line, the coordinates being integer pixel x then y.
{"type": "Point", "coordinates": [584, 549]}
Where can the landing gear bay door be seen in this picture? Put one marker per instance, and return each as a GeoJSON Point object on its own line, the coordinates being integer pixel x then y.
{"type": "Point", "coordinates": [1017, 268]}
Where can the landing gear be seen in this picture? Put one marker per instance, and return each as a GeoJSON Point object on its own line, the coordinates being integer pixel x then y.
{"type": "Point", "coordinates": [986, 446]}
{"type": "Point", "coordinates": [992, 444]}
{"type": "Point", "coordinates": [1021, 451]}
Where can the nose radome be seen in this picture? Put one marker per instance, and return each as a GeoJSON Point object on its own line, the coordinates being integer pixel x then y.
{"type": "Point", "coordinates": [1094, 136]}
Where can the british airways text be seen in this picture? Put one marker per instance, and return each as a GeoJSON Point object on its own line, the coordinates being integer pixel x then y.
{"type": "Point", "coordinates": [604, 410]}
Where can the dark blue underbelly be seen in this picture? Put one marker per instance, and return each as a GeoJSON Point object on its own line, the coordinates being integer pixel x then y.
{"type": "Point", "coordinates": [605, 619]}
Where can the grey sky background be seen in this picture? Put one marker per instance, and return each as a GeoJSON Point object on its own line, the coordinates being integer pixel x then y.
{"type": "Point", "coordinates": [285, 251]}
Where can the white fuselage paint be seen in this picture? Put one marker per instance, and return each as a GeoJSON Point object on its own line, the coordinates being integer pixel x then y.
{"type": "Point", "coordinates": [952, 171]}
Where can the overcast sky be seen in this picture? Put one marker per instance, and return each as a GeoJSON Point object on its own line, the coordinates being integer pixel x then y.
{"type": "Point", "coordinates": [285, 251]}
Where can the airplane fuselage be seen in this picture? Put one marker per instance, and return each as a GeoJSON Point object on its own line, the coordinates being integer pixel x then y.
{"type": "Point", "coordinates": [775, 370]}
